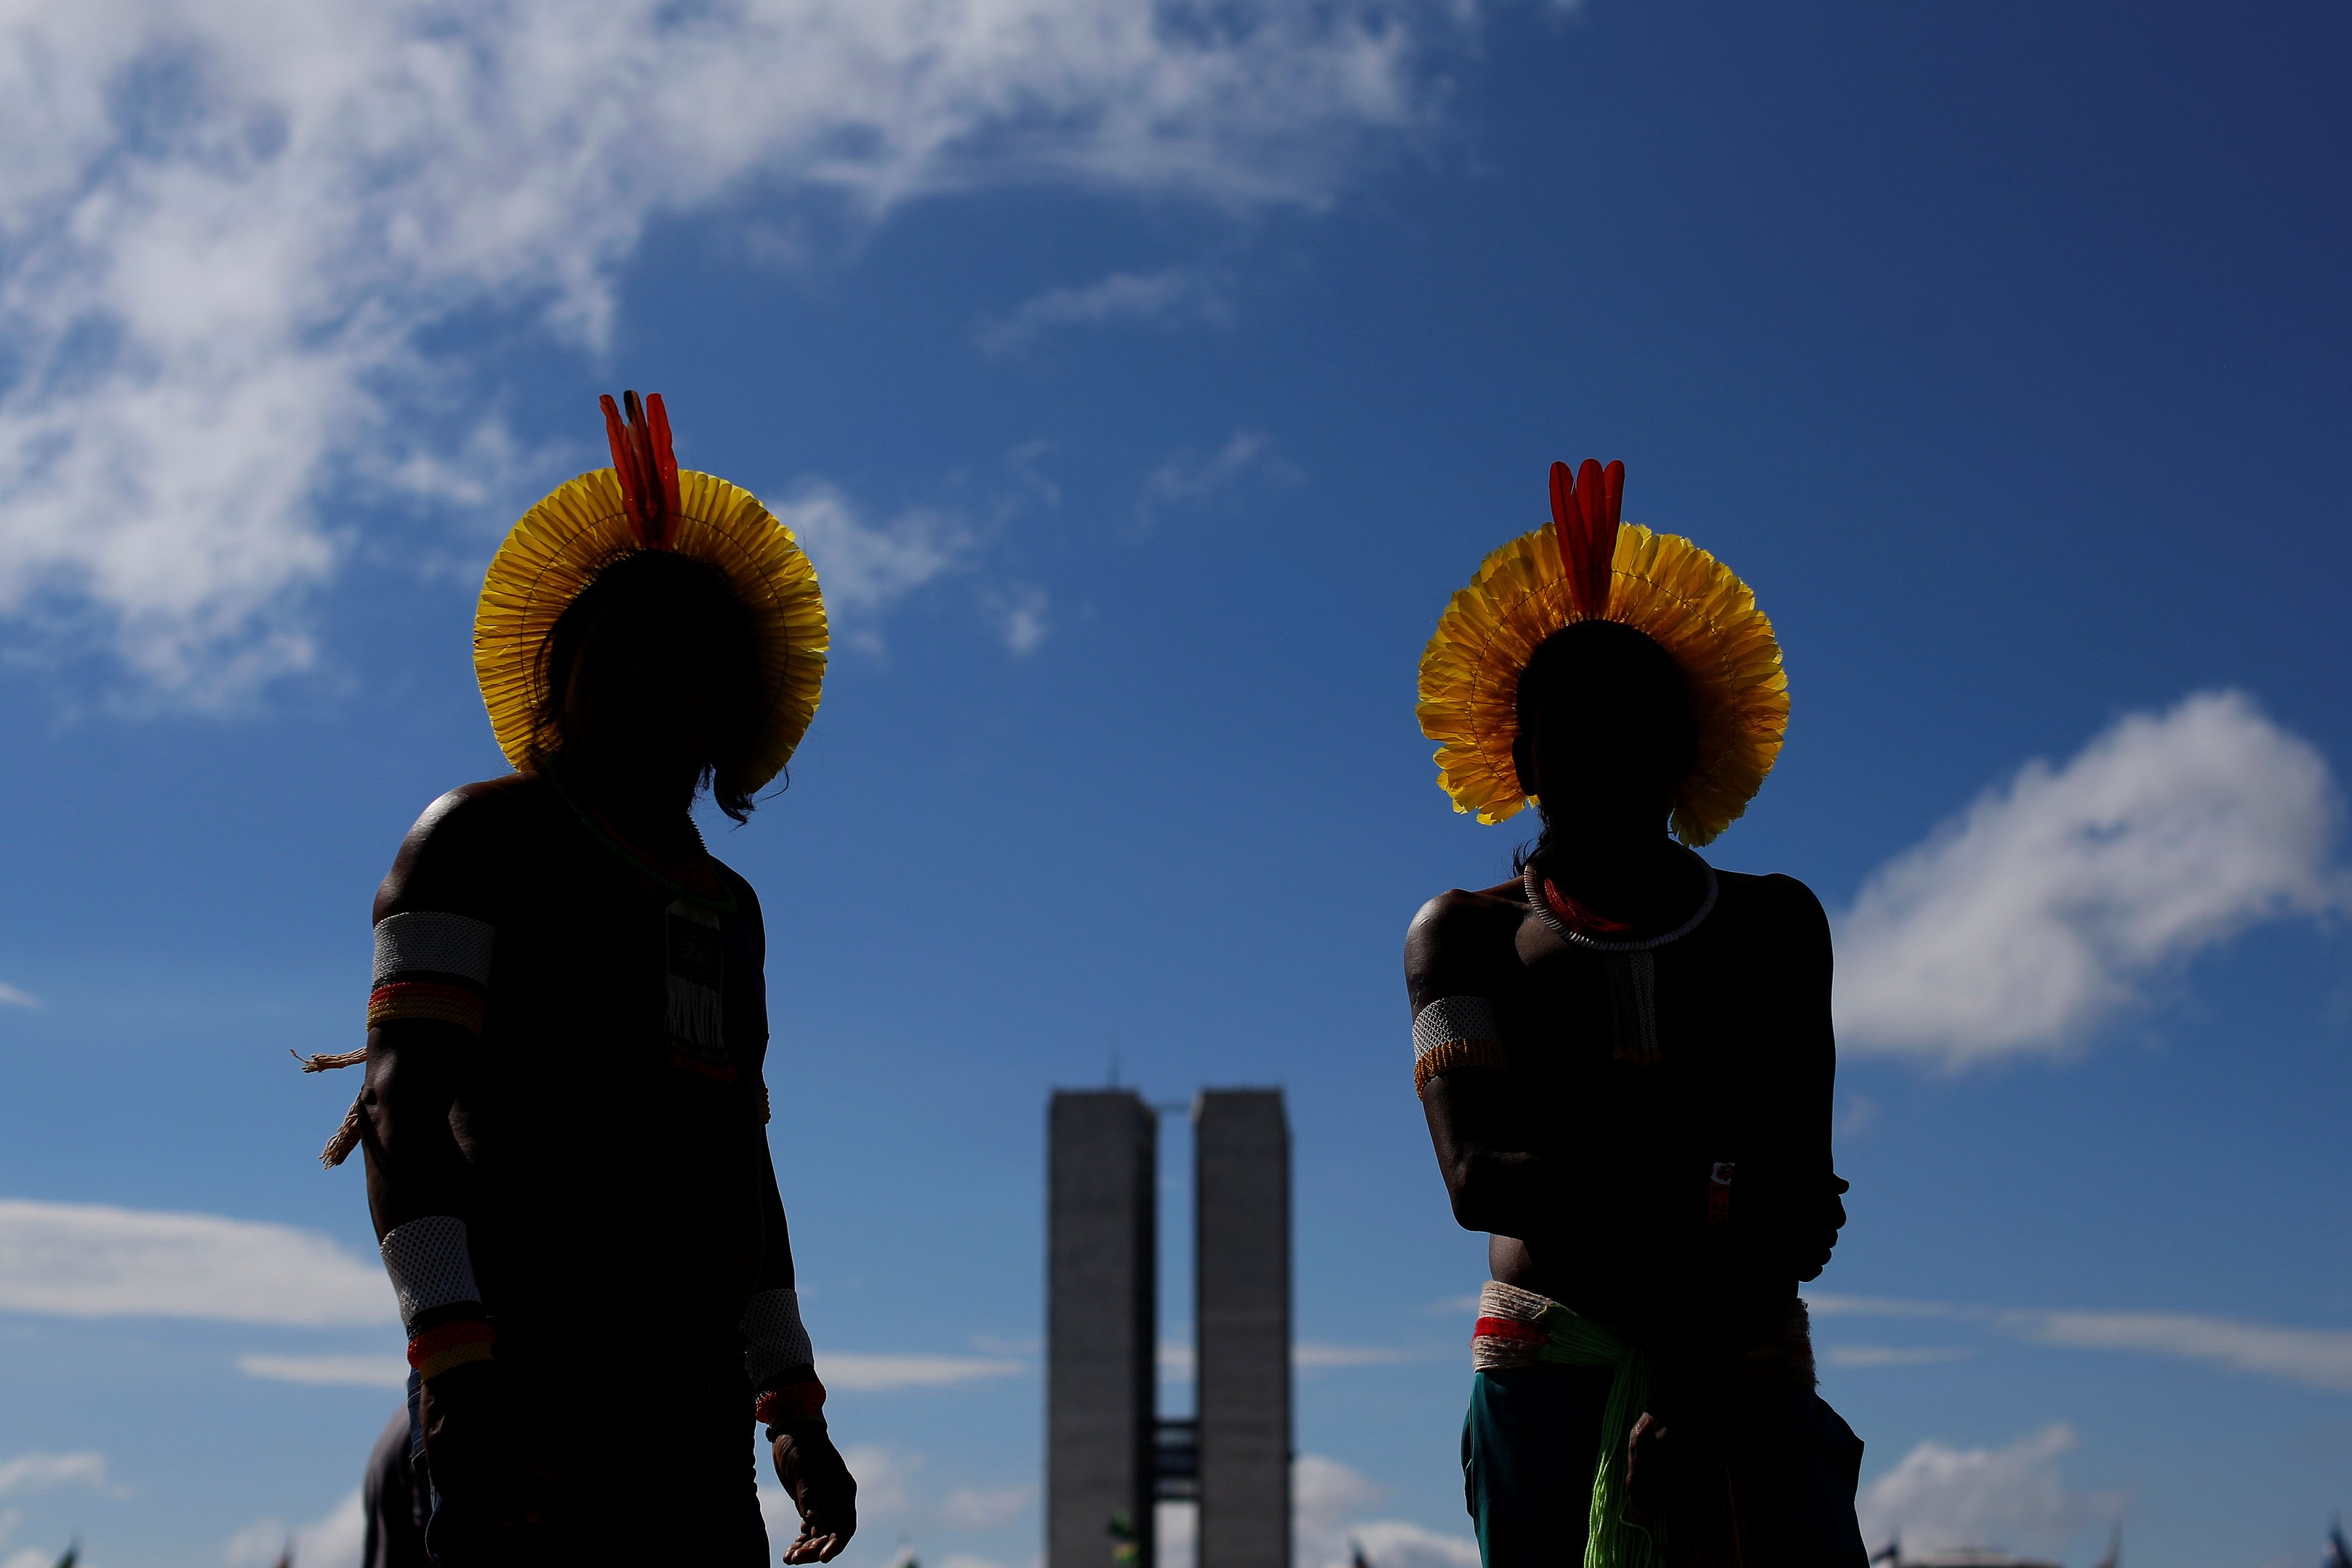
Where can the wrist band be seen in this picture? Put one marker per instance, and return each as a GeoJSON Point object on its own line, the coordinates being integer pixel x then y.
{"type": "Point", "coordinates": [435, 1351]}
{"type": "Point", "coordinates": [795, 1403]}
{"type": "Point", "coordinates": [773, 1341]}
{"type": "Point", "coordinates": [1718, 1192]}
{"type": "Point", "coordinates": [430, 1266]}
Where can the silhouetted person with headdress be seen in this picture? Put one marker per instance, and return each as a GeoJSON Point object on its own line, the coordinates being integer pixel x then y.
{"type": "Point", "coordinates": [1625, 1059]}
{"type": "Point", "coordinates": [565, 1110]}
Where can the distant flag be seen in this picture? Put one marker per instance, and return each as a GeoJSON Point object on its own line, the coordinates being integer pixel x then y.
{"type": "Point", "coordinates": [286, 1558]}
{"type": "Point", "coordinates": [1356, 1558]}
{"type": "Point", "coordinates": [2115, 1547]}
{"type": "Point", "coordinates": [1892, 1552]}
{"type": "Point", "coordinates": [2338, 1554]}
{"type": "Point", "coordinates": [73, 1554]}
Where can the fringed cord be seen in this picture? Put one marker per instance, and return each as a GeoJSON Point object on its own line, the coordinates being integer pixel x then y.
{"type": "Point", "coordinates": [347, 1137]}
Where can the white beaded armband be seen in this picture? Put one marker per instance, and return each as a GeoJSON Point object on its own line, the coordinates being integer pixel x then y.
{"type": "Point", "coordinates": [1455, 1032]}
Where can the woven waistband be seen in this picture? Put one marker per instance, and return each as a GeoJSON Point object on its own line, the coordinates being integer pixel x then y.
{"type": "Point", "coordinates": [1521, 1328]}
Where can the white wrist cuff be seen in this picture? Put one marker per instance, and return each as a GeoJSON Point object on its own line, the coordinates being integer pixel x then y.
{"type": "Point", "coordinates": [773, 1340]}
{"type": "Point", "coordinates": [430, 1266]}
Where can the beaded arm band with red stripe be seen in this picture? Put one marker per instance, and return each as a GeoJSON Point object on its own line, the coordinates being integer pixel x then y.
{"type": "Point", "coordinates": [435, 1351]}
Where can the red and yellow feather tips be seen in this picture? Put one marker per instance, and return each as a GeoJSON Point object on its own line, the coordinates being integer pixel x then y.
{"type": "Point", "coordinates": [1585, 508]}
{"type": "Point", "coordinates": [645, 464]}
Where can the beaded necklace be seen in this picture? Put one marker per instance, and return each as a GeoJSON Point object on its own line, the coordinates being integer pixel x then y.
{"type": "Point", "coordinates": [667, 875]}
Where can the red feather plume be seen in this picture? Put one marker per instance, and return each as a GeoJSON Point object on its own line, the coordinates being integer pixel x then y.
{"type": "Point", "coordinates": [1584, 512]}
{"type": "Point", "coordinates": [643, 460]}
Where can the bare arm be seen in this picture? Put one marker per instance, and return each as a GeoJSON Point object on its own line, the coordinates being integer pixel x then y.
{"type": "Point", "coordinates": [417, 1062]}
{"type": "Point", "coordinates": [1501, 1175]}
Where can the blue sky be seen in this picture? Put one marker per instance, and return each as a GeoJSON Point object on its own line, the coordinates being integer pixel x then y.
{"type": "Point", "coordinates": [1143, 385]}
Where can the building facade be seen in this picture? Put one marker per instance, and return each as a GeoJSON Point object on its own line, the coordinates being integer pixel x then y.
{"type": "Point", "coordinates": [1110, 1455]}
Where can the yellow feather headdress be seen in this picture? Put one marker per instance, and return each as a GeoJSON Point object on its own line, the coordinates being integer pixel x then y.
{"type": "Point", "coordinates": [1590, 566]}
{"type": "Point", "coordinates": [643, 502]}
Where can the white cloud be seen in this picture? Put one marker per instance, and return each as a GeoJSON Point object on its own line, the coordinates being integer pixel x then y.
{"type": "Point", "coordinates": [1397, 1543]}
{"type": "Point", "coordinates": [44, 1472]}
{"type": "Point", "coordinates": [985, 1507]}
{"type": "Point", "coordinates": [864, 566]}
{"type": "Point", "coordinates": [1178, 294]}
{"type": "Point", "coordinates": [356, 1370]}
{"type": "Point", "coordinates": [872, 1372]}
{"type": "Point", "coordinates": [334, 1541]}
{"type": "Point", "coordinates": [2313, 1358]}
{"type": "Point", "coordinates": [2051, 903]}
{"type": "Point", "coordinates": [1941, 1499]}
{"type": "Point", "coordinates": [1019, 611]}
{"type": "Point", "coordinates": [92, 1260]}
{"type": "Point", "coordinates": [1329, 1500]}
{"type": "Point", "coordinates": [30, 1557]}
{"type": "Point", "coordinates": [230, 229]}
{"type": "Point", "coordinates": [1189, 478]}
{"type": "Point", "coordinates": [12, 998]}
{"type": "Point", "coordinates": [2316, 1358]}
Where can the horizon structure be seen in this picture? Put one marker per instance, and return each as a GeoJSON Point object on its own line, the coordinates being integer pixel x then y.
{"type": "Point", "coordinates": [1111, 1456]}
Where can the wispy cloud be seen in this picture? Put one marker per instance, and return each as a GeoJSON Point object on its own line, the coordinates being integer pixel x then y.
{"type": "Point", "coordinates": [1941, 1498]}
{"type": "Point", "coordinates": [92, 1260]}
{"type": "Point", "coordinates": [45, 1472]}
{"type": "Point", "coordinates": [12, 998]}
{"type": "Point", "coordinates": [360, 1371]}
{"type": "Point", "coordinates": [1178, 295]}
{"type": "Point", "coordinates": [1331, 1504]}
{"type": "Point", "coordinates": [1019, 610]}
{"type": "Point", "coordinates": [874, 1372]}
{"type": "Point", "coordinates": [2317, 1358]}
{"type": "Point", "coordinates": [985, 1507]}
{"type": "Point", "coordinates": [1190, 477]}
{"type": "Point", "coordinates": [866, 565]}
{"type": "Point", "coordinates": [2314, 1357]}
{"type": "Point", "coordinates": [2053, 901]}
{"type": "Point", "coordinates": [1330, 1501]}
{"type": "Point", "coordinates": [334, 1541]}
{"type": "Point", "coordinates": [231, 228]}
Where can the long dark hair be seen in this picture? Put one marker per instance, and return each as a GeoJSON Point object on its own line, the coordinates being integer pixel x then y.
{"type": "Point", "coordinates": [1633, 663]}
{"type": "Point", "coordinates": [712, 601]}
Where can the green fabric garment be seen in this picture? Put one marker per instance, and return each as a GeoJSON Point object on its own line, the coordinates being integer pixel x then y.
{"type": "Point", "coordinates": [1612, 1541]}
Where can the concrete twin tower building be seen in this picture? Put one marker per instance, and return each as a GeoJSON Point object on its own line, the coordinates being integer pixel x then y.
{"type": "Point", "coordinates": [1110, 1455]}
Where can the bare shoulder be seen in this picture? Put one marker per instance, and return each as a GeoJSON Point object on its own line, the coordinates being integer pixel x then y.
{"type": "Point", "coordinates": [1779, 907]}
{"type": "Point", "coordinates": [1460, 921]}
{"type": "Point", "coordinates": [448, 855]}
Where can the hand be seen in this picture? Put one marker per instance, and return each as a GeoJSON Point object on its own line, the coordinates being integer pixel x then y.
{"type": "Point", "coordinates": [469, 1445]}
{"type": "Point", "coordinates": [1650, 1462]}
{"type": "Point", "coordinates": [823, 1490]}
